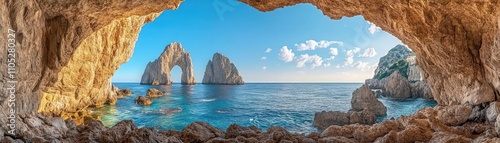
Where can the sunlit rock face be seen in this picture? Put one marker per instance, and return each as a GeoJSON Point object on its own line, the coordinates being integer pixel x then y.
{"type": "Point", "coordinates": [158, 71]}
{"type": "Point", "coordinates": [220, 70]}
{"type": "Point", "coordinates": [67, 50]}
{"type": "Point", "coordinates": [456, 42]}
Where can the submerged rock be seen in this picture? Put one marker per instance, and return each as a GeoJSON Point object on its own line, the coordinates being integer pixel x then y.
{"type": "Point", "coordinates": [363, 98]}
{"type": "Point", "coordinates": [397, 86]}
{"type": "Point", "coordinates": [221, 71]}
{"type": "Point", "coordinates": [154, 93]}
{"type": "Point", "coordinates": [144, 101]}
{"type": "Point", "coordinates": [158, 71]}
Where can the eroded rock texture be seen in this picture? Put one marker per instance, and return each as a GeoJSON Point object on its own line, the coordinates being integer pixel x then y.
{"type": "Point", "coordinates": [67, 50]}
{"type": "Point", "coordinates": [221, 71]}
{"type": "Point", "coordinates": [158, 71]}
{"type": "Point", "coordinates": [456, 41]}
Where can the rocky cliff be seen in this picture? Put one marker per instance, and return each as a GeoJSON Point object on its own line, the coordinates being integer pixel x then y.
{"type": "Point", "coordinates": [455, 41]}
{"type": "Point", "coordinates": [158, 71]}
{"type": "Point", "coordinates": [394, 60]}
{"type": "Point", "coordinates": [67, 51]}
{"type": "Point", "coordinates": [221, 71]}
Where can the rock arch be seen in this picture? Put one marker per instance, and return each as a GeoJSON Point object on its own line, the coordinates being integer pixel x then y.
{"type": "Point", "coordinates": [158, 71]}
{"type": "Point", "coordinates": [456, 42]}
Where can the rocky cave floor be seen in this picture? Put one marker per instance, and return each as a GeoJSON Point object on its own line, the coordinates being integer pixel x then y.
{"type": "Point", "coordinates": [453, 124]}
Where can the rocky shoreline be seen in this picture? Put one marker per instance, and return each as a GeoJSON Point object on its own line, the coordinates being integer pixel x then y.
{"type": "Point", "coordinates": [458, 123]}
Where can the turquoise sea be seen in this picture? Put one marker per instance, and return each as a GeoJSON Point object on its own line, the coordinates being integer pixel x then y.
{"type": "Point", "coordinates": [289, 105]}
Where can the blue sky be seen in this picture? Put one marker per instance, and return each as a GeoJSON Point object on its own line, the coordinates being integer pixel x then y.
{"type": "Point", "coordinates": [318, 49]}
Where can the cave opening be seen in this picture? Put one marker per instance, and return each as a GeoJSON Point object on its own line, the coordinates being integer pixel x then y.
{"type": "Point", "coordinates": [335, 62]}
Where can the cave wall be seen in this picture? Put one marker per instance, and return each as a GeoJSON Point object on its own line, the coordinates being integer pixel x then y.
{"type": "Point", "coordinates": [67, 50]}
{"type": "Point", "coordinates": [456, 41]}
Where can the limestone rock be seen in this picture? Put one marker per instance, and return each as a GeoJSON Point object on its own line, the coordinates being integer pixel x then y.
{"type": "Point", "coordinates": [158, 71]}
{"type": "Point", "coordinates": [200, 132]}
{"type": "Point", "coordinates": [387, 64]}
{"type": "Point", "coordinates": [397, 86]}
{"type": "Point", "coordinates": [493, 111]}
{"type": "Point", "coordinates": [144, 101]}
{"type": "Point", "coordinates": [421, 89]}
{"type": "Point", "coordinates": [454, 115]}
{"type": "Point", "coordinates": [497, 124]}
{"type": "Point", "coordinates": [221, 71]}
{"type": "Point", "coordinates": [448, 56]}
{"type": "Point", "coordinates": [154, 93]}
{"type": "Point", "coordinates": [120, 93]}
{"type": "Point", "coordinates": [376, 83]}
{"type": "Point", "coordinates": [413, 70]}
{"type": "Point", "coordinates": [363, 98]}
{"type": "Point", "coordinates": [323, 119]}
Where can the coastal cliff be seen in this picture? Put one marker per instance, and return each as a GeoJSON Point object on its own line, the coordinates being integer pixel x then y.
{"type": "Point", "coordinates": [221, 71]}
{"type": "Point", "coordinates": [158, 71]}
{"type": "Point", "coordinates": [455, 41]}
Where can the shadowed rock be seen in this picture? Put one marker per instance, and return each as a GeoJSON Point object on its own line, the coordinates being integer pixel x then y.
{"type": "Point", "coordinates": [397, 86]}
{"type": "Point", "coordinates": [154, 93]}
{"type": "Point", "coordinates": [363, 98]}
{"type": "Point", "coordinates": [142, 100]}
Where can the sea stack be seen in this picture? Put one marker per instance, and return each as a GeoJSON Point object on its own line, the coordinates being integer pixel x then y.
{"type": "Point", "coordinates": [158, 71]}
{"type": "Point", "coordinates": [221, 71]}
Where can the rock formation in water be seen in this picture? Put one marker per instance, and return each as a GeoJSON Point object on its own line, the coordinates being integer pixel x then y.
{"type": "Point", "coordinates": [120, 93]}
{"type": "Point", "coordinates": [143, 100]}
{"type": "Point", "coordinates": [154, 93]}
{"type": "Point", "coordinates": [363, 98]}
{"type": "Point", "coordinates": [221, 71]}
{"type": "Point", "coordinates": [400, 59]}
{"type": "Point", "coordinates": [69, 49]}
{"type": "Point", "coordinates": [364, 109]}
{"type": "Point", "coordinates": [397, 86]}
{"type": "Point", "coordinates": [158, 71]}
{"type": "Point", "coordinates": [323, 119]}
{"type": "Point", "coordinates": [421, 89]}
{"type": "Point", "coordinates": [453, 40]}
{"type": "Point", "coordinates": [393, 61]}
{"type": "Point", "coordinates": [441, 124]}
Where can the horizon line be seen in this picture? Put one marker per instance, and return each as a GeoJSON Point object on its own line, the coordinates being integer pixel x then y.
{"type": "Point", "coordinates": [263, 82]}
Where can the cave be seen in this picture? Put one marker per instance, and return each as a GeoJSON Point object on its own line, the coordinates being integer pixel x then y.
{"type": "Point", "coordinates": [67, 56]}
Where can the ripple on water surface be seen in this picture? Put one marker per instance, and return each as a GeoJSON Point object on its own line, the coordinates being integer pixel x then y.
{"type": "Point", "coordinates": [289, 105]}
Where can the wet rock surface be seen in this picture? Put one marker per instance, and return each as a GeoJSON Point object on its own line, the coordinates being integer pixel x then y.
{"type": "Point", "coordinates": [143, 100]}
{"type": "Point", "coordinates": [154, 93]}
{"type": "Point", "coordinates": [426, 125]}
{"type": "Point", "coordinates": [363, 98]}
{"type": "Point", "coordinates": [220, 70]}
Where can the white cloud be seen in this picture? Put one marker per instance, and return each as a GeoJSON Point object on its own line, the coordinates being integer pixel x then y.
{"type": "Point", "coordinates": [314, 60]}
{"type": "Point", "coordinates": [324, 44]}
{"type": "Point", "coordinates": [312, 45]}
{"type": "Point", "coordinates": [338, 66]}
{"type": "Point", "coordinates": [364, 66]}
{"type": "Point", "coordinates": [327, 65]}
{"type": "Point", "coordinates": [333, 52]}
{"type": "Point", "coordinates": [286, 54]}
{"type": "Point", "coordinates": [373, 28]}
{"type": "Point", "coordinates": [264, 68]}
{"type": "Point", "coordinates": [370, 52]}
{"type": "Point", "coordinates": [263, 58]}
{"type": "Point", "coordinates": [350, 56]}
{"type": "Point", "coordinates": [268, 50]}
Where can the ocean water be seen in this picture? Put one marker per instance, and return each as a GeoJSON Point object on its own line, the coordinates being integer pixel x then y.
{"type": "Point", "coordinates": [289, 105]}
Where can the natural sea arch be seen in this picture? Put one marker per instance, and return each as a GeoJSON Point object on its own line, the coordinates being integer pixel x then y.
{"type": "Point", "coordinates": [158, 71]}
{"type": "Point", "coordinates": [67, 50]}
